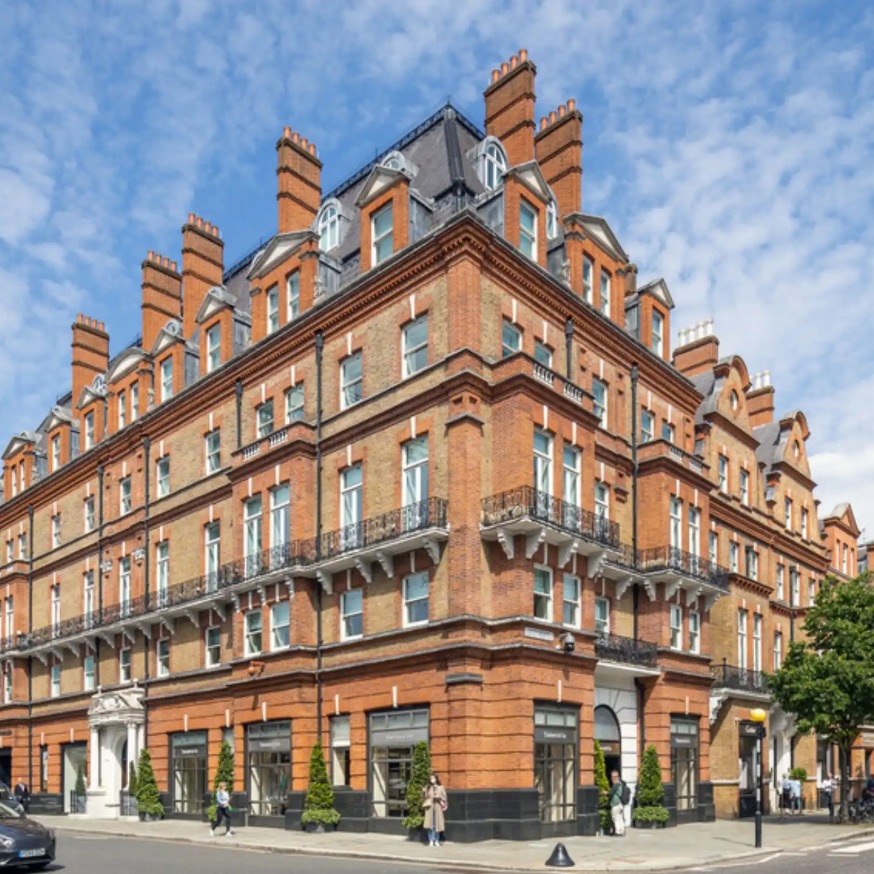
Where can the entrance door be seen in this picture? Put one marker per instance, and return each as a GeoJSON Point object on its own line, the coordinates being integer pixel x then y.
{"type": "Point", "coordinates": [6, 767]}
{"type": "Point", "coordinates": [75, 756]}
{"type": "Point", "coordinates": [747, 776]}
{"type": "Point", "coordinates": [607, 734]}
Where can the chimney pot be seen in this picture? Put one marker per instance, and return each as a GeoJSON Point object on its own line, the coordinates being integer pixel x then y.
{"type": "Point", "coordinates": [191, 218]}
{"type": "Point", "coordinates": [552, 116]}
{"type": "Point", "coordinates": [166, 262]}
{"type": "Point", "coordinates": [215, 230]}
{"type": "Point", "coordinates": [523, 55]}
{"type": "Point", "coordinates": [312, 148]}
{"type": "Point", "coordinates": [495, 76]}
{"type": "Point", "coordinates": [514, 62]}
{"type": "Point", "coordinates": [562, 111]}
{"type": "Point", "coordinates": [199, 222]}
{"type": "Point", "coordinates": [173, 266]}
{"type": "Point", "coordinates": [543, 123]}
{"type": "Point", "coordinates": [571, 105]}
{"type": "Point", "coordinates": [295, 137]}
{"type": "Point", "coordinates": [207, 227]}
{"type": "Point", "coordinates": [150, 256]}
{"type": "Point", "coordinates": [286, 132]}
{"type": "Point", "coordinates": [505, 68]}
{"type": "Point", "coordinates": [303, 142]}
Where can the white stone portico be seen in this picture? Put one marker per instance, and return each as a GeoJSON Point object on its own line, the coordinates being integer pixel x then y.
{"type": "Point", "coordinates": [115, 720]}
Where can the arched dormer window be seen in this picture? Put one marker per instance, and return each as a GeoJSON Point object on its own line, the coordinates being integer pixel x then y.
{"type": "Point", "coordinates": [552, 220]}
{"type": "Point", "coordinates": [495, 166]}
{"type": "Point", "coordinates": [394, 161]}
{"type": "Point", "coordinates": [329, 227]}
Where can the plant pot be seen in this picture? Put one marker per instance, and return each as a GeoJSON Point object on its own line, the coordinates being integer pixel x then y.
{"type": "Point", "coordinates": [648, 825]}
{"type": "Point", "coordinates": [150, 817]}
{"type": "Point", "coordinates": [418, 834]}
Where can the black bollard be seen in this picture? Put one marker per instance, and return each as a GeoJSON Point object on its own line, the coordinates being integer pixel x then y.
{"type": "Point", "coordinates": [560, 858]}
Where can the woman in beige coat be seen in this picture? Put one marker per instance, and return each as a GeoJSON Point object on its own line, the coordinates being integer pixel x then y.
{"type": "Point", "coordinates": [434, 804]}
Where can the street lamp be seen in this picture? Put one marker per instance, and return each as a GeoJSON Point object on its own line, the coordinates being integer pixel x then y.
{"type": "Point", "coordinates": [758, 716]}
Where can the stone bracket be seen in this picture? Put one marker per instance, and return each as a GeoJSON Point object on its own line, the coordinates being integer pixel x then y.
{"type": "Point", "coordinates": [506, 541]}
{"type": "Point", "coordinates": [386, 563]}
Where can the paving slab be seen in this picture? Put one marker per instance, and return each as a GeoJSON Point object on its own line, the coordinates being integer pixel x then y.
{"type": "Point", "coordinates": [686, 846]}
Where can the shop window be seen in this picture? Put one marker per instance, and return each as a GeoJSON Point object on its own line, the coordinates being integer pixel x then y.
{"type": "Point", "coordinates": [392, 739]}
{"type": "Point", "coordinates": [555, 762]}
{"type": "Point", "coordinates": [189, 770]}
{"type": "Point", "coordinates": [684, 763]}
{"type": "Point", "coordinates": [340, 744]}
{"type": "Point", "coordinates": [268, 767]}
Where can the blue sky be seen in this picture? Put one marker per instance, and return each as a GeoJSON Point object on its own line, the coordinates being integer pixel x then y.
{"type": "Point", "coordinates": [729, 144]}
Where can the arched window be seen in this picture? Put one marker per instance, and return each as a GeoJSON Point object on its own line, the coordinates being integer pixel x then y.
{"type": "Point", "coordinates": [606, 726]}
{"type": "Point", "coordinates": [329, 228]}
{"type": "Point", "coordinates": [394, 161]}
{"type": "Point", "coordinates": [552, 220]}
{"type": "Point", "coordinates": [495, 165]}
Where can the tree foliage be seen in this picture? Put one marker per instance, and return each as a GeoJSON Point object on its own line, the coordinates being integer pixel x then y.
{"type": "Point", "coordinates": [224, 773]}
{"type": "Point", "coordinates": [827, 680]}
{"type": "Point", "coordinates": [132, 779]}
{"type": "Point", "coordinates": [421, 774]}
{"type": "Point", "coordinates": [650, 789]}
{"type": "Point", "coordinates": [148, 796]}
{"type": "Point", "coordinates": [81, 789]}
{"type": "Point", "coordinates": [603, 785]}
{"type": "Point", "coordinates": [318, 806]}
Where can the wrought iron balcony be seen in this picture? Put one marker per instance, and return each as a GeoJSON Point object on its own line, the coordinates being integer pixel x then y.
{"type": "Point", "coordinates": [673, 561]}
{"type": "Point", "coordinates": [543, 517]}
{"type": "Point", "coordinates": [727, 676]}
{"type": "Point", "coordinates": [616, 648]}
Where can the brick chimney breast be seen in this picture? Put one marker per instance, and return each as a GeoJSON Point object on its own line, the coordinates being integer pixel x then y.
{"type": "Point", "coordinates": [162, 296]}
{"type": "Point", "coordinates": [559, 149]}
{"type": "Point", "coordinates": [299, 181]}
{"type": "Point", "coordinates": [509, 107]}
{"type": "Point", "coordinates": [202, 267]}
{"type": "Point", "coordinates": [90, 346]}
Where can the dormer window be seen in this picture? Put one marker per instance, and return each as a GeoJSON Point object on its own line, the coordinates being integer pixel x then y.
{"type": "Point", "coordinates": [56, 452]}
{"type": "Point", "coordinates": [213, 348]}
{"type": "Point", "coordinates": [292, 290]}
{"type": "Point", "coordinates": [329, 228]}
{"type": "Point", "coordinates": [658, 328]}
{"type": "Point", "coordinates": [605, 292]}
{"type": "Point", "coordinates": [528, 230]}
{"type": "Point", "coordinates": [588, 273]}
{"type": "Point", "coordinates": [552, 220]}
{"type": "Point", "coordinates": [495, 166]}
{"type": "Point", "coordinates": [272, 309]}
{"type": "Point", "coordinates": [166, 379]}
{"type": "Point", "coordinates": [382, 234]}
{"type": "Point", "coordinates": [89, 434]}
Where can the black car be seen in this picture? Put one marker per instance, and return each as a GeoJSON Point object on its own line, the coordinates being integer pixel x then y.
{"type": "Point", "coordinates": [24, 842]}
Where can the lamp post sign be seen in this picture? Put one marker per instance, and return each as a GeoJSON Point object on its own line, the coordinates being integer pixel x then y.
{"type": "Point", "coordinates": [758, 718]}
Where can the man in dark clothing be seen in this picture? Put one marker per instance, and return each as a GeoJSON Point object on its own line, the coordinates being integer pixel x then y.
{"type": "Point", "coordinates": [22, 794]}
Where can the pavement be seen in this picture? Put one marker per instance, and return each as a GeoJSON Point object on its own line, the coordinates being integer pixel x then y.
{"type": "Point", "coordinates": [687, 846]}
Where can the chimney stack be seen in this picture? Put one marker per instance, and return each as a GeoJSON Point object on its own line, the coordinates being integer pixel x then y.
{"type": "Point", "coordinates": [510, 107]}
{"type": "Point", "coordinates": [162, 296]}
{"type": "Point", "coordinates": [697, 350]}
{"type": "Point", "coordinates": [299, 178]}
{"type": "Point", "coordinates": [559, 149]}
{"type": "Point", "coordinates": [90, 353]}
{"type": "Point", "coordinates": [760, 400]}
{"type": "Point", "coordinates": [202, 267]}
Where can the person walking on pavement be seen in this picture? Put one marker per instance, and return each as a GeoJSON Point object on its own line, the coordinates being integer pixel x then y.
{"type": "Point", "coordinates": [828, 790]}
{"type": "Point", "coordinates": [222, 810]}
{"type": "Point", "coordinates": [22, 794]}
{"type": "Point", "coordinates": [796, 795]}
{"type": "Point", "coordinates": [786, 794]}
{"type": "Point", "coordinates": [434, 804]}
{"type": "Point", "coordinates": [617, 811]}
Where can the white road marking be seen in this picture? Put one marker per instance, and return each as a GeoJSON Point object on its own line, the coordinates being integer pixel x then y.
{"type": "Point", "coordinates": [853, 849]}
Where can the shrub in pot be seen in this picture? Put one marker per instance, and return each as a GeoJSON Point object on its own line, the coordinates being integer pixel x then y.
{"type": "Point", "coordinates": [318, 806]}
{"type": "Point", "coordinates": [148, 798]}
{"type": "Point", "coordinates": [420, 775]}
{"type": "Point", "coordinates": [650, 810]}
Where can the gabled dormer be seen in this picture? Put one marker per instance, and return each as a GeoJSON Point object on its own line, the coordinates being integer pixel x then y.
{"type": "Point", "coordinates": [19, 463]}
{"type": "Point", "coordinates": [384, 201]}
{"type": "Point", "coordinates": [654, 304]}
{"type": "Point", "coordinates": [91, 408]}
{"type": "Point", "coordinates": [62, 438]}
{"type": "Point", "coordinates": [527, 197]}
{"type": "Point", "coordinates": [283, 277]}
{"type": "Point", "coordinates": [840, 535]}
{"type": "Point", "coordinates": [215, 320]}
{"type": "Point", "coordinates": [168, 355]}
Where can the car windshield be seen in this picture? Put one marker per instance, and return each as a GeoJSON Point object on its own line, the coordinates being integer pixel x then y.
{"type": "Point", "coordinates": [9, 812]}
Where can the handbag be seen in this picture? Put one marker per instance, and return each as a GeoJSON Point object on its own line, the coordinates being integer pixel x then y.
{"type": "Point", "coordinates": [443, 804]}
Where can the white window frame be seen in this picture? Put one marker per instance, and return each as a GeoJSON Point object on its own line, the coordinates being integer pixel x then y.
{"type": "Point", "coordinates": [601, 401]}
{"type": "Point", "coordinates": [777, 657]}
{"type": "Point", "coordinates": [571, 601]}
{"type": "Point", "coordinates": [676, 523]}
{"type": "Point", "coordinates": [87, 598]}
{"type": "Point", "coordinates": [124, 665]}
{"type": "Point", "coordinates": [733, 556]}
{"type": "Point", "coordinates": [668, 432]}
{"type": "Point", "coordinates": [542, 449]}
{"type": "Point", "coordinates": [22, 545]}
{"type": "Point", "coordinates": [694, 631]}
{"type": "Point", "coordinates": [647, 426]}
{"type": "Point", "coordinates": [280, 627]}
{"type": "Point", "coordinates": [658, 329]}
{"type": "Point", "coordinates": [722, 476]}
{"type": "Point", "coordinates": [329, 227]}
{"type": "Point", "coordinates": [787, 513]}
{"type": "Point", "coordinates": [804, 522]}
{"type": "Point", "coordinates": [134, 401]}
{"type": "Point", "coordinates": [676, 627]}
{"type": "Point", "coordinates": [89, 438]}
{"type": "Point", "coordinates": [781, 581]}
{"type": "Point", "coordinates": [751, 559]}
{"type": "Point", "coordinates": [162, 477]}
{"type": "Point", "coordinates": [351, 504]}
{"type": "Point", "coordinates": [744, 486]}
{"type": "Point", "coordinates": [88, 672]}
{"type": "Point", "coordinates": [351, 382]}
{"type": "Point", "coordinates": [89, 517]}
{"type": "Point", "coordinates": [602, 615]}
{"type": "Point", "coordinates": [212, 443]}
{"type": "Point", "coordinates": [292, 295]}
{"type": "Point", "coordinates": [694, 532]}
{"type": "Point", "coordinates": [602, 501]}
{"type": "Point", "coordinates": [794, 587]}
{"type": "Point", "coordinates": [9, 617]}
{"type": "Point", "coordinates": [166, 379]}
{"type": "Point", "coordinates": [346, 614]}
{"type": "Point", "coordinates": [253, 534]}
{"type": "Point", "coordinates": [606, 280]}
{"type": "Point", "coordinates": [541, 598]}
{"type": "Point", "coordinates": [253, 625]}
{"type": "Point", "coordinates": [742, 628]}
{"type": "Point", "coordinates": [415, 471]}
{"type": "Point", "coordinates": [56, 530]}
{"type": "Point", "coordinates": [411, 348]}
{"type": "Point", "coordinates": [212, 560]}
{"type": "Point", "coordinates": [294, 404]}
{"type": "Point", "coordinates": [511, 338]}
{"type": "Point", "coordinates": [125, 496]}
{"type": "Point", "coordinates": [271, 307]}
{"type": "Point", "coordinates": [264, 419]}
{"type": "Point", "coordinates": [56, 609]}
{"type": "Point", "coordinates": [571, 465]}
{"type": "Point", "coordinates": [162, 571]}
{"type": "Point", "coordinates": [213, 348]}
{"type": "Point", "coordinates": [162, 657]}
{"type": "Point", "coordinates": [378, 238]}
{"type": "Point", "coordinates": [56, 452]}
{"type": "Point", "coordinates": [55, 680]}
{"type": "Point", "coordinates": [551, 219]}
{"type": "Point", "coordinates": [124, 586]}
{"type": "Point", "coordinates": [542, 354]}
{"type": "Point", "coordinates": [410, 603]}
{"type": "Point", "coordinates": [528, 235]}
{"type": "Point", "coordinates": [811, 591]}
{"type": "Point", "coordinates": [494, 166]}
{"type": "Point", "coordinates": [212, 651]}
{"type": "Point", "coordinates": [280, 523]}
{"type": "Point", "coordinates": [713, 549]}
{"type": "Point", "coordinates": [758, 625]}
{"type": "Point", "coordinates": [588, 278]}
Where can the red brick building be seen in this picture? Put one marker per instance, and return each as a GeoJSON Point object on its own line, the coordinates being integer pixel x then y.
{"type": "Point", "coordinates": [421, 468]}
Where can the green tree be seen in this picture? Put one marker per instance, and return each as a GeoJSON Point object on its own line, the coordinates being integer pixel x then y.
{"type": "Point", "coordinates": [148, 797]}
{"type": "Point", "coordinates": [421, 774]}
{"type": "Point", "coordinates": [650, 790]}
{"type": "Point", "coordinates": [81, 789]}
{"type": "Point", "coordinates": [603, 785]}
{"type": "Point", "coordinates": [318, 806]}
{"type": "Point", "coordinates": [224, 773]}
{"type": "Point", "coordinates": [827, 681]}
{"type": "Point", "coordinates": [132, 780]}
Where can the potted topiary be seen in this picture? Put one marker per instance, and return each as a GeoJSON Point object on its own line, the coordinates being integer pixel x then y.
{"type": "Point", "coordinates": [650, 811]}
{"type": "Point", "coordinates": [224, 773]}
{"type": "Point", "coordinates": [603, 785]}
{"type": "Point", "coordinates": [130, 794]}
{"type": "Point", "coordinates": [419, 777]}
{"type": "Point", "coordinates": [318, 806]}
{"type": "Point", "coordinates": [81, 791]}
{"type": "Point", "coordinates": [148, 798]}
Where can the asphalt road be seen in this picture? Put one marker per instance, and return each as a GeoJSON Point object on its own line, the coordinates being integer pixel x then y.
{"type": "Point", "coordinates": [847, 857]}
{"type": "Point", "coordinates": [93, 854]}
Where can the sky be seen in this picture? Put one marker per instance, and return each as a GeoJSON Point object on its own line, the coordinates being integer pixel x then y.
{"type": "Point", "coordinates": [729, 144]}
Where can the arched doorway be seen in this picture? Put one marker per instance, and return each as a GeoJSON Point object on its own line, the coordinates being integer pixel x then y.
{"type": "Point", "coordinates": [607, 734]}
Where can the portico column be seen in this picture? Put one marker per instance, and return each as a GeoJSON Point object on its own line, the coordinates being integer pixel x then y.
{"type": "Point", "coordinates": [132, 751]}
{"type": "Point", "coordinates": [94, 752]}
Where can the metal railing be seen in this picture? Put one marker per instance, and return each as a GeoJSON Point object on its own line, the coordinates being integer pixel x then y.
{"type": "Point", "coordinates": [127, 804]}
{"type": "Point", "coordinates": [430, 513]}
{"type": "Point", "coordinates": [626, 649]}
{"type": "Point", "coordinates": [732, 677]}
{"type": "Point", "coordinates": [672, 558]}
{"type": "Point", "coordinates": [527, 501]}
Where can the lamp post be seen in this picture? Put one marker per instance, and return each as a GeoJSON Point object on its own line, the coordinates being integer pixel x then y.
{"type": "Point", "coordinates": [759, 716]}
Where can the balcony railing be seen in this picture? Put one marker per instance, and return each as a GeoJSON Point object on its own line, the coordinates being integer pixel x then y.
{"type": "Point", "coordinates": [626, 649]}
{"type": "Point", "coordinates": [743, 679]}
{"type": "Point", "coordinates": [430, 513]}
{"type": "Point", "coordinates": [527, 501]}
{"type": "Point", "coordinates": [662, 558]}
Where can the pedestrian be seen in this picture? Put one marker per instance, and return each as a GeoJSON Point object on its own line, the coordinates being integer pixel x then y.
{"type": "Point", "coordinates": [786, 794]}
{"type": "Point", "coordinates": [617, 809]}
{"type": "Point", "coordinates": [222, 810]}
{"type": "Point", "coordinates": [828, 791]}
{"type": "Point", "coordinates": [796, 795]}
{"type": "Point", "coordinates": [22, 794]}
{"type": "Point", "coordinates": [434, 804]}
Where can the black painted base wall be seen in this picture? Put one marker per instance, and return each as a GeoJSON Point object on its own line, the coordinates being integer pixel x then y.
{"type": "Point", "coordinates": [47, 803]}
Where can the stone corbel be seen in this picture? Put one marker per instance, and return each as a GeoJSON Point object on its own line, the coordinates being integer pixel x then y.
{"type": "Point", "coordinates": [326, 580]}
{"type": "Point", "coordinates": [566, 550]}
{"type": "Point", "coordinates": [73, 647]}
{"type": "Point", "coordinates": [651, 589]}
{"type": "Point", "coordinates": [193, 617]}
{"type": "Point", "coordinates": [671, 589]}
{"type": "Point", "coordinates": [43, 657]}
{"type": "Point", "coordinates": [622, 587]}
{"type": "Point", "coordinates": [146, 629]}
{"type": "Point", "coordinates": [432, 547]}
{"type": "Point", "coordinates": [219, 610]}
{"type": "Point", "coordinates": [167, 623]}
{"type": "Point", "coordinates": [595, 564]}
{"type": "Point", "coordinates": [365, 569]}
{"type": "Point", "coordinates": [107, 638]}
{"type": "Point", "coordinates": [386, 563]}
{"type": "Point", "coordinates": [506, 541]}
{"type": "Point", "coordinates": [533, 541]}
{"type": "Point", "coordinates": [129, 634]}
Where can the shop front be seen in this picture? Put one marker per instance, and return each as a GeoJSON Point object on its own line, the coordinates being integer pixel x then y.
{"type": "Point", "coordinates": [685, 766]}
{"type": "Point", "coordinates": [556, 741]}
{"type": "Point", "coordinates": [268, 770]}
{"type": "Point", "coordinates": [188, 766]}
{"type": "Point", "coordinates": [392, 738]}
